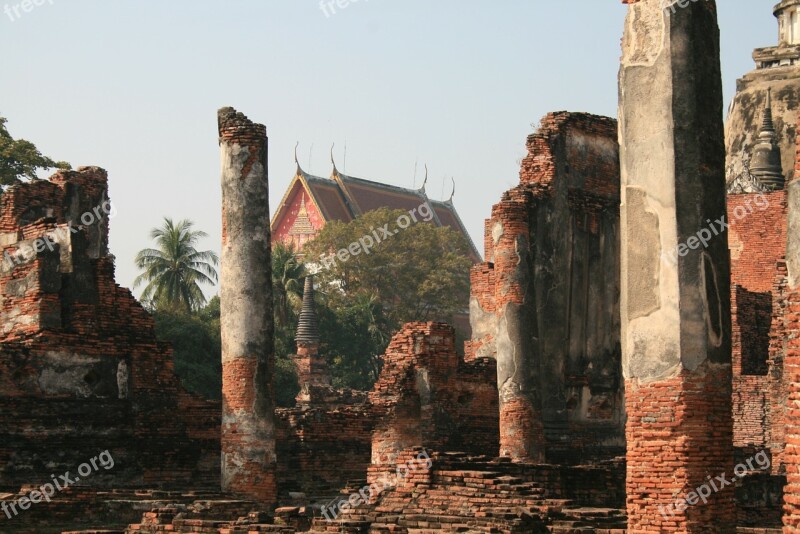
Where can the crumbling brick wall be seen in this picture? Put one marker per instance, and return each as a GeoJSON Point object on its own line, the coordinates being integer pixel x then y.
{"type": "Point", "coordinates": [572, 172]}
{"type": "Point", "coordinates": [81, 370]}
{"type": "Point", "coordinates": [791, 373]}
{"type": "Point", "coordinates": [427, 397]}
{"type": "Point", "coordinates": [757, 241]}
{"type": "Point", "coordinates": [322, 448]}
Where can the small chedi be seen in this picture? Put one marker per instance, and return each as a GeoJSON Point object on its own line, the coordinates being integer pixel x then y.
{"type": "Point", "coordinates": [632, 367]}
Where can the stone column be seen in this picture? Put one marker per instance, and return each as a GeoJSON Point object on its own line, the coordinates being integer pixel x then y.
{"type": "Point", "coordinates": [518, 376]}
{"type": "Point", "coordinates": [248, 433]}
{"type": "Point", "coordinates": [675, 279]}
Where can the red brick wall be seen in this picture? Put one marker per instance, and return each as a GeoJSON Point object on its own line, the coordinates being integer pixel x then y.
{"type": "Point", "coordinates": [791, 456]}
{"type": "Point", "coordinates": [756, 237]}
{"type": "Point", "coordinates": [757, 240]}
{"type": "Point", "coordinates": [791, 374]}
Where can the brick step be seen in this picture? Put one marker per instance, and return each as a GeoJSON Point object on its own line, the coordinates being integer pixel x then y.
{"type": "Point", "coordinates": [248, 529]}
{"type": "Point", "coordinates": [588, 521]}
{"type": "Point", "coordinates": [321, 526]}
{"type": "Point", "coordinates": [586, 530]}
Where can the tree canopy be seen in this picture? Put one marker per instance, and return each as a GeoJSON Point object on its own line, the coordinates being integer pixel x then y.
{"type": "Point", "coordinates": [197, 347]}
{"type": "Point", "coordinates": [420, 273]}
{"type": "Point", "coordinates": [20, 159]}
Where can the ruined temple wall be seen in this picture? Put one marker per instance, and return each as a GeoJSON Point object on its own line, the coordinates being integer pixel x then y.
{"type": "Point", "coordinates": [577, 283]}
{"type": "Point", "coordinates": [572, 171]}
{"type": "Point", "coordinates": [79, 359]}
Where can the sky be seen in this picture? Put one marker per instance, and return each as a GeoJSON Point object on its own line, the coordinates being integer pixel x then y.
{"type": "Point", "coordinates": [134, 86]}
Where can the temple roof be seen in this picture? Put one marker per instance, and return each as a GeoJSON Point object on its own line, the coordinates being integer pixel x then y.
{"type": "Point", "coordinates": [343, 198]}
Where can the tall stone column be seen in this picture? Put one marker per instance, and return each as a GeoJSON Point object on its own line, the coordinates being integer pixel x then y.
{"type": "Point", "coordinates": [675, 279]}
{"type": "Point", "coordinates": [248, 433]}
{"type": "Point", "coordinates": [518, 375]}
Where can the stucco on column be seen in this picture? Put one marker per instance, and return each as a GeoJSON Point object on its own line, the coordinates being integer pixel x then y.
{"type": "Point", "coordinates": [248, 435]}
{"type": "Point", "coordinates": [675, 315]}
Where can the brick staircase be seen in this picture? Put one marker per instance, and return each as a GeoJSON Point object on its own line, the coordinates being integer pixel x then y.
{"type": "Point", "coordinates": [472, 494]}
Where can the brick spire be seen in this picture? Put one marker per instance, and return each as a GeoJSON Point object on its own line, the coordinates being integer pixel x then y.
{"type": "Point", "coordinates": [308, 325]}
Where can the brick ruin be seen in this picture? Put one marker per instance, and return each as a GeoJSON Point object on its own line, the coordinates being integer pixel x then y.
{"type": "Point", "coordinates": [606, 380]}
{"type": "Point", "coordinates": [791, 364]}
{"type": "Point", "coordinates": [81, 370]}
{"type": "Point", "coordinates": [565, 216]}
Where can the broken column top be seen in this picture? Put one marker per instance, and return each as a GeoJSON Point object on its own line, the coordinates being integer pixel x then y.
{"type": "Point", "coordinates": [234, 124]}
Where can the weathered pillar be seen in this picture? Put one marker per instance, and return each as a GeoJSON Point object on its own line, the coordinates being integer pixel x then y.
{"type": "Point", "coordinates": [518, 376]}
{"type": "Point", "coordinates": [791, 362]}
{"type": "Point", "coordinates": [675, 312]}
{"type": "Point", "coordinates": [248, 435]}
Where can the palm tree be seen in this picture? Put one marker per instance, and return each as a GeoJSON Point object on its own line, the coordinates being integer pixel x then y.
{"type": "Point", "coordinates": [287, 283]}
{"type": "Point", "coordinates": [175, 270]}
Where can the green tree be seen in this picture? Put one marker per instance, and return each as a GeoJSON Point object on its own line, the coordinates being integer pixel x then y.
{"type": "Point", "coordinates": [420, 273]}
{"type": "Point", "coordinates": [287, 292]}
{"type": "Point", "coordinates": [288, 277]}
{"type": "Point", "coordinates": [175, 270]}
{"type": "Point", "coordinates": [20, 159]}
{"type": "Point", "coordinates": [353, 340]}
{"type": "Point", "coordinates": [197, 348]}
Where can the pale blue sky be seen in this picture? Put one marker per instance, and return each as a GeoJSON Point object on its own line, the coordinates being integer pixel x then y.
{"type": "Point", "coordinates": [133, 86]}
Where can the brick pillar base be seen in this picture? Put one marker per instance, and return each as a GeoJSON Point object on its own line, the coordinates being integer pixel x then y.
{"type": "Point", "coordinates": [679, 437]}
